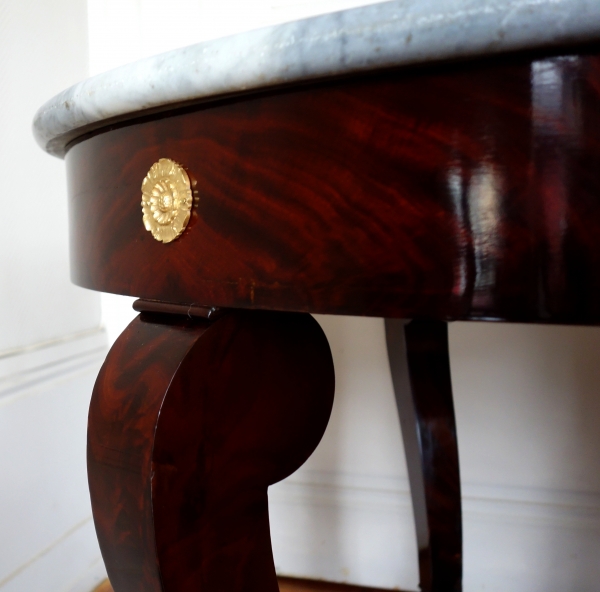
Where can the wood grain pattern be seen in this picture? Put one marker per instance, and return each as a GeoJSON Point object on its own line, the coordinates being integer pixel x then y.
{"type": "Point", "coordinates": [465, 191]}
{"type": "Point", "coordinates": [420, 367]}
{"type": "Point", "coordinates": [189, 424]}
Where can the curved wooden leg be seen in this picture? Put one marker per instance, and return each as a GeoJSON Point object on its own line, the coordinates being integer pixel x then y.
{"type": "Point", "coordinates": [190, 422]}
{"type": "Point", "coordinates": [418, 353]}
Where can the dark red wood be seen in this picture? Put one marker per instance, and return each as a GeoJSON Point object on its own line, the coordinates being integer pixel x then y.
{"type": "Point", "coordinates": [186, 310]}
{"type": "Point", "coordinates": [189, 424]}
{"type": "Point", "coordinates": [465, 191]}
{"type": "Point", "coordinates": [420, 365]}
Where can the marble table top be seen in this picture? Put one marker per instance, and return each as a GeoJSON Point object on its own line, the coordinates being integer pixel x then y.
{"type": "Point", "coordinates": [380, 35]}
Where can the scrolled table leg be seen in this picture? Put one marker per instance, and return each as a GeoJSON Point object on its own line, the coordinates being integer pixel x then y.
{"type": "Point", "coordinates": [419, 361]}
{"type": "Point", "coordinates": [190, 422]}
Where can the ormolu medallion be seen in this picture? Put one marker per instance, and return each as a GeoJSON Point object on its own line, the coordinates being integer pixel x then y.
{"type": "Point", "coordinates": [166, 200]}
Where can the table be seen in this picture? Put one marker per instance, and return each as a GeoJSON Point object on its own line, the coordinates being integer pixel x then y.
{"type": "Point", "coordinates": [419, 161]}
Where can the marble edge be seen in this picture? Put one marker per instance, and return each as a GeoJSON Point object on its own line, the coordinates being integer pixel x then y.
{"type": "Point", "coordinates": [388, 34]}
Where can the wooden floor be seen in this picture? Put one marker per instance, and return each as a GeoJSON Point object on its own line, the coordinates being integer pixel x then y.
{"type": "Point", "coordinates": [291, 585]}
{"type": "Point", "coordinates": [288, 585]}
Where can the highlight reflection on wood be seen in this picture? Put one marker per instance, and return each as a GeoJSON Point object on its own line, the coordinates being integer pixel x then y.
{"type": "Point", "coordinates": [446, 192]}
{"type": "Point", "coordinates": [190, 422]}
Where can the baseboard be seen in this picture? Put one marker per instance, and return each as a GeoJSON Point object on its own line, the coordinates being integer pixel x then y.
{"type": "Point", "coordinates": [70, 564]}
{"type": "Point", "coordinates": [91, 578]}
{"type": "Point", "coordinates": [358, 529]}
{"type": "Point", "coordinates": [26, 367]}
{"type": "Point", "coordinates": [47, 539]}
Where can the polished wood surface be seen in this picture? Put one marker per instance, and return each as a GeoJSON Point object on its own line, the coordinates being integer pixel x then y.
{"type": "Point", "coordinates": [463, 191]}
{"type": "Point", "coordinates": [190, 421]}
{"type": "Point", "coordinates": [420, 367]}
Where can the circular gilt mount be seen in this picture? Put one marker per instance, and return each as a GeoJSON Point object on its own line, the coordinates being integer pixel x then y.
{"type": "Point", "coordinates": [166, 200]}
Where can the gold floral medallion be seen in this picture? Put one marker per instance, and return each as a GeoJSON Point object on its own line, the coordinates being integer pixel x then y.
{"type": "Point", "coordinates": [166, 200]}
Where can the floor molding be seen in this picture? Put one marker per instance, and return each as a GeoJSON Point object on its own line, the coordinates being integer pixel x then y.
{"type": "Point", "coordinates": [33, 365]}
{"type": "Point", "coordinates": [359, 529]}
{"type": "Point", "coordinates": [287, 585]}
{"type": "Point", "coordinates": [44, 396]}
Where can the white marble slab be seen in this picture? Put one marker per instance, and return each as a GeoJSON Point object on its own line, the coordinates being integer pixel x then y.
{"type": "Point", "coordinates": [355, 40]}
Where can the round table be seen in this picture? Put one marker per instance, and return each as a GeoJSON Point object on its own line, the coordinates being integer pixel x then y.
{"type": "Point", "coordinates": [419, 161]}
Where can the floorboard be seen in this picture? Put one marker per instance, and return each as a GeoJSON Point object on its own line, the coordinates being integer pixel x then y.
{"type": "Point", "coordinates": [289, 585]}
{"type": "Point", "coordinates": [293, 585]}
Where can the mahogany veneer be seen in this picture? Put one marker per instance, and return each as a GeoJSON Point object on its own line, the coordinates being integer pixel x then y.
{"type": "Point", "coordinates": [190, 422]}
{"type": "Point", "coordinates": [449, 192]}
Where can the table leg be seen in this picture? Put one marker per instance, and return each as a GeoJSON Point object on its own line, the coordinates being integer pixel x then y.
{"type": "Point", "coordinates": [418, 354]}
{"type": "Point", "coordinates": [190, 421]}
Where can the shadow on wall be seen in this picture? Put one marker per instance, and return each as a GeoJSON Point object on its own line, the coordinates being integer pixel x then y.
{"type": "Point", "coordinates": [527, 409]}
{"type": "Point", "coordinates": [527, 405]}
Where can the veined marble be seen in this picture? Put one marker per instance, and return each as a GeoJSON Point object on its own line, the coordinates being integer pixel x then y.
{"type": "Point", "coordinates": [355, 40]}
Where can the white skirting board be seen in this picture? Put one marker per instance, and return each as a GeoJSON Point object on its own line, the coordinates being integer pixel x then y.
{"type": "Point", "coordinates": [71, 564]}
{"type": "Point", "coordinates": [91, 578]}
{"type": "Point", "coordinates": [47, 535]}
{"type": "Point", "coordinates": [359, 529]}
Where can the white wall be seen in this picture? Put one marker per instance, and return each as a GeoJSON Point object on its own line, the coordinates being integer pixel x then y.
{"type": "Point", "coordinates": [526, 403]}
{"type": "Point", "coordinates": [51, 344]}
{"type": "Point", "coordinates": [42, 50]}
{"type": "Point", "coordinates": [527, 409]}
